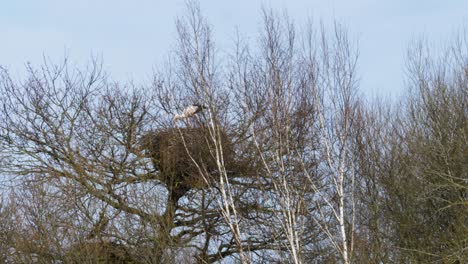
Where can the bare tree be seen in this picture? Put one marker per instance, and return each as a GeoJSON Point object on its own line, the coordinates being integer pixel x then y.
{"type": "Point", "coordinates": [283, 163]}
{"type": "Point", "coordinates": [297, 101]}
{"type": "Point", "coordinates": [78, 134]}
{"type": "Point", "coordinates": [434, 130]}
{"type": "Point", "coordinates": [413, 180]}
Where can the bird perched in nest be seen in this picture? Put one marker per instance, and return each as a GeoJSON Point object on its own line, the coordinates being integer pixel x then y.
{"type": "Point", "coordinates": [189, 111]}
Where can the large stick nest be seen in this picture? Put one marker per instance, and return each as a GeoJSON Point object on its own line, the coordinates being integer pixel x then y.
{"type": "Point", "coordinates": [176, 152]}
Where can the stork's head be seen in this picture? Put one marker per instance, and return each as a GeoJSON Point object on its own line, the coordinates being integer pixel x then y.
{"type": "Point", "coordinates": [200, 106]}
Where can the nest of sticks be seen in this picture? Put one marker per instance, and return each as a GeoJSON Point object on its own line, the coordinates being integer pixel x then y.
{"type": "Point", "coordinates": [186, 158]}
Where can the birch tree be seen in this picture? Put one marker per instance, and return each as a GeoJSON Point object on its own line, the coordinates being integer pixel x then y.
{"type": "Point", "coordinates": [297, 99]}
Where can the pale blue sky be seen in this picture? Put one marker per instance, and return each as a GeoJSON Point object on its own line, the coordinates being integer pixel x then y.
{"type": "Point", "coordinates": [133, 37]}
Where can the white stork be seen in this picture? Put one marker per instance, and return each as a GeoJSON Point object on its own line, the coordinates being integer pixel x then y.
{"type": "Point", "coordinates": [189, 111]}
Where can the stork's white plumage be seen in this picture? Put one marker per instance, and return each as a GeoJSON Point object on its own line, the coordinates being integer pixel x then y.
{"type": "Point", "coordinates": [190, 111]}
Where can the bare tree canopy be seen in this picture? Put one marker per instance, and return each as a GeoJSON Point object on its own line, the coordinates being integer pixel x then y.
{"type": "Point", "coordinates": [275, 156]}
